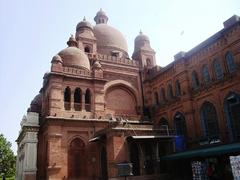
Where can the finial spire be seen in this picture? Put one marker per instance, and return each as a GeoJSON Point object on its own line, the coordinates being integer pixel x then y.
{"type": "Point", "coordinates": [84, 18]}
{"type": "Point", "coordinates": [72, 41]}
{"type": "Point", "coordinates": [140, 32]}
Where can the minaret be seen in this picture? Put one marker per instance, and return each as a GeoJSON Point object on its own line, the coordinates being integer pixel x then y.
{"type": "Point", "coordinates": [143, 51]}
{"type": "Point", "coordinates": [85, 37]}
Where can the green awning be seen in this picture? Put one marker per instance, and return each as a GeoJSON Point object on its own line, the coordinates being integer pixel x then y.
{"type": "Point", "coordinates": [217, 150]}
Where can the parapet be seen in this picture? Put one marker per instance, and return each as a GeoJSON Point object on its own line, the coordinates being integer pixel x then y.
{"type": "Point", "coordinates": [117, 60]}
{"type": "Point", "coordinates": [231, 21]}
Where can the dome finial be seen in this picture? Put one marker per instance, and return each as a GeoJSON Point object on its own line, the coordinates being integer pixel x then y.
{"type": "Point", "coordinates": [101, 17]}
{"type": "Point", "coordinates": [84, 18]}
{"type": "Point", "coordinates": [72, 41]}
{"type": "Point", "coordinates": [140, 32]}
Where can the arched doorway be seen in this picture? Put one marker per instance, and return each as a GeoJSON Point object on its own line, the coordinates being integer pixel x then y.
{"type": "Point", "coordinates": [134, 158]}
{"type": "Point", "coordinates": [232, 113]}
{"type": "Point", "coordinates": [76, 159]}
{"type": "Point", "coordinates": [180, 124]}
{"type": "Point", "coordinates": [149, 158]}
{"type": "Point", "coordinates": [104, 172]}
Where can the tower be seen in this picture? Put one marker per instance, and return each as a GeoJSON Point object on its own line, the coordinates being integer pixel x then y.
{"type": "Point", "coordinates": [85, 37]}
{"type": "Point", "coordinates": [143, 51]}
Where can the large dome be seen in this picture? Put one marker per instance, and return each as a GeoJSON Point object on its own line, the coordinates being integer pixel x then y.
{"type": "Point", "coordinates": [74, 57]}
{"type": "Point", "coordinates": [109, 39]}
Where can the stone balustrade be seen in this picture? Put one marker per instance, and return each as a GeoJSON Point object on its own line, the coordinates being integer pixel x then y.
{"type": "Point", "coordinates": [117, 60]}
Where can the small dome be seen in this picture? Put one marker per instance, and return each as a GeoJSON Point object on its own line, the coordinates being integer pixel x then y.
{"type": "Point", "coordinates": [56, 59]}
{"type": "Point", "coordinates": [97, 65]}
{"type": "Point", "coordinates": [36, 104]}
{"type": "Point", "coordinates": [74, 57]}
{"type": "Point", "coordinates": [101, 17]}
{"type": "Point", "coordinates": [141, 37]}
{"type": "Point", "coordinates": [84, 24]}
{"type": "Point", "coordinates": [109, 39]}
{"type": "Point", "coordinates": [46, 74]}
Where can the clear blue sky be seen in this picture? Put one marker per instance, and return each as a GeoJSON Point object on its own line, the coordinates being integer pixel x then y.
{"type": "Point", "coordinates": [32, 32]}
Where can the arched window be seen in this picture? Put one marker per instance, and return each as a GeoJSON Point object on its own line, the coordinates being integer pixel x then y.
{"type": "Point", "coordinates": [78, 99]}
{"type": "Point", "coordinates": [205, 74]}
{"type": "Point", "coordinates": [170, 92]}
{"type": "Point", "coordinates": [180, 124]}
{"type": "Point", "coordinates": [209, 120]}
{"type": "Point", "coordinates": [88, 100]}
{"type": "Point", "coordinates": [178, 88]}
{"type": "Point", "coordinates": [163, 123]}
{"type": "Point", "coordinates": [231, 66]}
{"type": "Point", "coordinates": [67, 98]}
{"type": "Point", "coordinates": [87, 49]}
{"type": "Point", "coordinates": [232, 113]}
{"type": "Point", "coordinates": [156, 101]}
{"type": "Point", "coordinates": [217, 69]}
{"type": "Point", "coordinates": [195, 81]}
{"type": "Point", "coordinates": [149, 63]}
{"type": "Point", "coordinates": [76, 159]}
{"type": "Point", "coordinates": [162, 96]}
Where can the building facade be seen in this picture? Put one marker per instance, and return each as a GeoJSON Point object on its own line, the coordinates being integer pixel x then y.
{"type": "Point", "coordinates": [100, 113]}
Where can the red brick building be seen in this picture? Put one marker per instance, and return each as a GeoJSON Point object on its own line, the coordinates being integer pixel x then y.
{"type": "Point", "coordinates": [99, 109]}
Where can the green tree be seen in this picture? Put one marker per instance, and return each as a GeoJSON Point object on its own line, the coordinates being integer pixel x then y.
{"type": "Point", "coordinates": [7, 158]}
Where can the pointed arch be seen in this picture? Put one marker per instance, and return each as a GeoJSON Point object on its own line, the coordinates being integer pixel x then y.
{"type": "Point", "coordinates": [217, 69]}
{"type": "Point", "coordinates": [162, 96]}
{"type": "Point", "coordinates": [195, 80]}
{"type": "Point", "coordinates": [67, 98]}
{"type": "Point", "coordinates": [76, 159]}
{"type": "Point", "coordinates": [170, 92]}
{"type": "Point", "coordinates": [87, 49]}
{"type": "Point", "coordinates": [156, 100]}
{"type": "Point", "coordinates": [205, 74]}
{"type": "Point", "coordinates": [88, 100]}
{"type": "Point", "coordinates": [232, 114]}
{"type": "Point", "coordinates": [231, 66]}
{"type": "Point", "coordinates": [178, 88]}
{"type": "Point", "coordinates": [163, 121]}
{"type": "Point", "coordinates": [209, 120]}
{"type": "Point", "coordinates": [121, 98]}
{"type": "Point", "coordinates": [180, 124]}
{"type": "Point", "coordinates": [78, 99]}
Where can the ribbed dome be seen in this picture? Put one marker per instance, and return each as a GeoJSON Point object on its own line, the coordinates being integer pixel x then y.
{"type": "Point", "coordinates": [84, 24]}
{"type": "Point", "coordinates": [109, 39]}
{"type": "Point", "coordinates": [141, 37]}
{"type": "Point", "coordinates": [72, 56]}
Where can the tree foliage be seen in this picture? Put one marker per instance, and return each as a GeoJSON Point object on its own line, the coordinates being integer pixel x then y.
{"type": "Point", "coordinates": [7, 158]}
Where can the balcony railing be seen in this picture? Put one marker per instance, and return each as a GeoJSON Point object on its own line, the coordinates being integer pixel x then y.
{"type": "Point", "coordinates": [88, 107]}
{"type": "Point", "coordinates": [78, 106]}
{"type": "Point", "coordinates": [67, 106]}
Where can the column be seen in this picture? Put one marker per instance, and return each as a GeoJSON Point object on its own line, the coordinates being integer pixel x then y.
{"type": "Point", "coordinates": [72, 100]}
{"type": "Point", "coordinates": [83, 100]}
